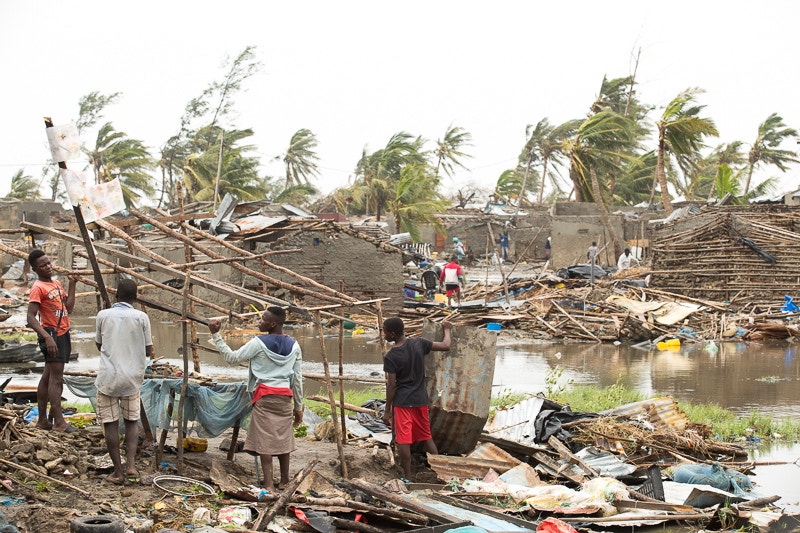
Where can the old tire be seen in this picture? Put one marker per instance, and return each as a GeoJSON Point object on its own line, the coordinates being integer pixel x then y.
{"type": "Point", "coordinates": [97, 524]}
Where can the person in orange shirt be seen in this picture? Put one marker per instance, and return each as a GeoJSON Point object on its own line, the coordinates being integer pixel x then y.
{"type": "Point", "coordinates": [49, 307]}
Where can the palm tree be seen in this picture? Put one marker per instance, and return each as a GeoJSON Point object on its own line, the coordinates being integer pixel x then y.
{"type": "Point", "coordinates": [115, 155]}
{"type": "Point", "coordinates": [449, 150]}
{"type": "Point", "coordinates": [510, 184]}
{"type": "Point", "coordinates": [23, 187]}
{"type": "Point", "coordinates": [766, 148]}
{"type": "Point", "coordinates": [238, 172]}
{"type": "Point", "coordinates": [681, 130]}
{"type": "Point", "coordinates": [296, 194]}
{"type": "Point", "coordinates": [545, 145]}
{"type": "Point", "coordinates": [300, 158]}
{"type": "Point", "coordinates": [379, 172]}
{"type": "Point", "coordinates": [599, 146]}
{"type": "Point", "coordinates": [416, 201]}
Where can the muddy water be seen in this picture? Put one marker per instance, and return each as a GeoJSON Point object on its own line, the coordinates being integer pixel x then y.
{"type": "Point", "coordinates": [744, 378]}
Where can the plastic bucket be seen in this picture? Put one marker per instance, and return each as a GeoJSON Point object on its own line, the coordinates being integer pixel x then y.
{"type": "Point", "coordinates": [494, 326]}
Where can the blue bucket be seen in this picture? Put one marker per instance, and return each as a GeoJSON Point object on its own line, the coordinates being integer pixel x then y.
{"type": "Point", "coordinates": [494, 326]}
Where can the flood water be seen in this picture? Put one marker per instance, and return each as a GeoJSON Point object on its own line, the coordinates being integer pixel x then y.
{"type": "Point", "coordinates": [742, 377]}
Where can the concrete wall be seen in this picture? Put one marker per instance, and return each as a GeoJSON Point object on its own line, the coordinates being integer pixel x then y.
{"type": "Point", "coordinates": [328, 258]}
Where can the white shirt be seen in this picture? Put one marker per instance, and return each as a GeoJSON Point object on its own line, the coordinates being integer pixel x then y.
{"type": "Point", "coordinates": [624, 262]}
{"type": "Point", "coordinates": [123, 334]}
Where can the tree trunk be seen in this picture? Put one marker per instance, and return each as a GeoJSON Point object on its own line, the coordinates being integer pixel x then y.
{"type": "Point", "coordinates": [524, 183]}
{"type": "Point", "coordinates": [661, 174]}
{"type": "Point", "coordinates": [604, 220]}
{"type": "Point", "coordinates": [544, 176]}
{"type": "Point", "coordinates": [747, 181]}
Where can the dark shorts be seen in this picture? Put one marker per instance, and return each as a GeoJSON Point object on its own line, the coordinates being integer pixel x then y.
{"type": "Point", "coordinates": [64, 344]}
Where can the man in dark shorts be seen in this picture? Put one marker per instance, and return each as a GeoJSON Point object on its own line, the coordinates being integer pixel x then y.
{"type": "Point", "coordinates": [406, 396]}
{"type": "Point", "coordinates": [48, 315]}
{"type": "Point", "coordinates": [452, 277]}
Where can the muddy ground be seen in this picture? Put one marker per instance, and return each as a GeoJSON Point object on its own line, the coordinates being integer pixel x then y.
{"type": "Point", "coordinates": [34, 504]}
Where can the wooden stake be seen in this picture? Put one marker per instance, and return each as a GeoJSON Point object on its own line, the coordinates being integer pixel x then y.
{"type": "Point", "coordinates": [331, 400]}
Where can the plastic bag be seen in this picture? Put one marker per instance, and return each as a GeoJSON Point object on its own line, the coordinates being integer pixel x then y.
{"type": "Point", "coordinates": [715, 475]}
{"type": "Point", "coordinates": [554, 525]}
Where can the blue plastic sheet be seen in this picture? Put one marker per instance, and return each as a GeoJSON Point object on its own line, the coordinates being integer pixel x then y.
{"type": "Point", "coordinates": [714, 475]}
{"type": "Point", "coordinates": [788, 305]}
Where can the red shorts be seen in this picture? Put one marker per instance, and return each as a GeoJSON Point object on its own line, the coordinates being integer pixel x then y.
{"type": "Point", "coordinates": [452, 288]}
{"type": "Point", "coordinates": [411, 424]}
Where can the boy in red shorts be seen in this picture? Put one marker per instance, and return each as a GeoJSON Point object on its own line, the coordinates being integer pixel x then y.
{"type": "Point", "coordinates": [406, 396]}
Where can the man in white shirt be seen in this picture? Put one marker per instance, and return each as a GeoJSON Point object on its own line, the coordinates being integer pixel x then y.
{"type": "Point", "coordinates": [125, 341]}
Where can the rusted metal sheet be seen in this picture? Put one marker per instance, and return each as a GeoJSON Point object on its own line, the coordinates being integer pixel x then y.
{"type": "Point", "coordinates": [487, 450]}
{"type": "Point", "coordinates": [255, 224]}
{"type": "Point", "coordinates": [450, 467]}
{"type": "Point", "coordinates": [459, 384]}
{"type": "Point", "coordinates": [662, 413]}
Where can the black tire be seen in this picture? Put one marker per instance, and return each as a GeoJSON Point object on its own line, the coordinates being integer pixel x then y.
{"type": "Point", "coordinates": [97, 524]}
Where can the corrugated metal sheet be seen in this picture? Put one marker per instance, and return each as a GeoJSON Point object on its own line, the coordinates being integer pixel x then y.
{"type": "Point", "coordinates": [604, 462]}
{"type": "Point", "coordinates": [256, 223]}
{"type": "Point", "coordinates": [459, 385]}
{"type": "Point", "coordinates": [487, 450]}
{"type": "Point", "coordinates": [516, 424]}
{"type": "Point", "coordinates": [660, 412]}
{"type": "Point", "coordinates": [480, 518]}
{"type": "Point", "coordinates": [449, 467]}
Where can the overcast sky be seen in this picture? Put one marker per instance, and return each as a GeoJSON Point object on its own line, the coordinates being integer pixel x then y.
{"type": "Point", "coordinates": [356, 72]}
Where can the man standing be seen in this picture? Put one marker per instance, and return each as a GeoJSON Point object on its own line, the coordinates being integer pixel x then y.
{"type": "Point", "coordinates": [406, 395]}
{"type": "Point", "coordinates": [591, 253]}
{"type": "Point", "coordinates": [48, 315]}
{"type": "Point", "coordinates": [504, 246]}
{"type": "Point", "coordinates": [124, 339]}
{"type": "Point", "coordinates": [453, 278]}
{"type": "Point", "coordinates": [548, 248]}
{"type": "Point", "coordinates": [275, 381]}
{"type": "Point", "coordinates": [458, 249]}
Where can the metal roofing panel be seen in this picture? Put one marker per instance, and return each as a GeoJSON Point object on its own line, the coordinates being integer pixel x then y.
{"type": "Point", "coordinates": [661, 412]}
{"type": "Point", "coordinates": [256, 223]}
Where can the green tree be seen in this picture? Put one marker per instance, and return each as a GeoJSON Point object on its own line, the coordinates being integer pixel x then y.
{"type": "Point", "coordinates": [510, 184]}
{"type": "Point", "coordinates": [766, 148]}
{"type": "Point", "coordinates": [296, 194]}
{"type": "Point", "coordinates": [23, 187]}
{"type": "Point", "coordinates": [238, 171]}
{"type": "Point", "coordinates": [300, 158]}
{"type": "Point", "coordinates": [681, 131]}
{"type": "Point", "coordinates": [115, 155]}
{"type": "Point", "coordinates": [203, 114]}
{"type": "Point", "coordinates": [91, 108]}
{"type": "Point", "coordinates": [599, 146]}
{"type": "Point", "coordinates": [416, 200]}
{"type": "Point", "coordinates": [450, 150]}
{"type": "Point", "coordinates": [544, 146]}
{"type": "Point", "coordinates": [377, 173]}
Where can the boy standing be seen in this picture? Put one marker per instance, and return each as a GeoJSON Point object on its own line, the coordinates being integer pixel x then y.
{"type": "Point", "coordinates": [125, 341]}
{"type": "Point", "coordinates": [406, 396]}
{"type": "Point", "coordinates": [48, 315]}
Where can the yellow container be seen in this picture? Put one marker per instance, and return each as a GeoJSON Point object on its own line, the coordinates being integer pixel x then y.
{"type": "Point", "coordinates": [191, 444]}
{"type": "Point", "coordinates": [440, 298]}
{"type": "Point", "coordinates": [669, 344]}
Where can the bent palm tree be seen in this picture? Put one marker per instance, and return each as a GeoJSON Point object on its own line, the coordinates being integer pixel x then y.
{"type": "Point", "coordinates": [449, 150]}
{"type": "Point", "coordinates": [766, 148]}
{"type": "Point", "coordinates": [680, 135]}
{"type": "Point", "coordinates": [23, 187]}
{"type": "Point", "coordinates": [300, 158]}
{"type": "Point", "coordinates": [599, 146]}
{"type": "Point", "coordinates": [416, 201]}
{"type": "Point", "coordinates": [115, 155]}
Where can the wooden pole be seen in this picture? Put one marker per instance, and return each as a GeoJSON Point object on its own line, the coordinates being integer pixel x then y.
{"type": "Point", "coordinates": [87, 241]}
{"type": "Point", "coordinates": [499, 262]}
{"type": "Point", "coordinates": [331, 399]}
{"type": "Point", "coordinates": [341, 369]}
{"type": "Point", "coordinates": [187, 258]}
{"type": "Point", "coordinates": [265, 517]}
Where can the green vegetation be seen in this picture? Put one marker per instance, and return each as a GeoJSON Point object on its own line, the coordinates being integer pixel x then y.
{"type": "Point", "coordinates": [353, 397]}
{"type": "Point", "coordinates": [506, 398]}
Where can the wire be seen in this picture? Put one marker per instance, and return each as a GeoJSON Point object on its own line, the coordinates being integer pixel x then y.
{"type": "Point", "coordinates": [209, 490]}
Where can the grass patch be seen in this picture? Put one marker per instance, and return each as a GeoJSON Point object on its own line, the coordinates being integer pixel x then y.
{"type": "Point", "coordinates": [725, 425]}
{"type": "Point", "coordinates": [351, 396]}
{"type": "Point", "coordinates": [506, 398]}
